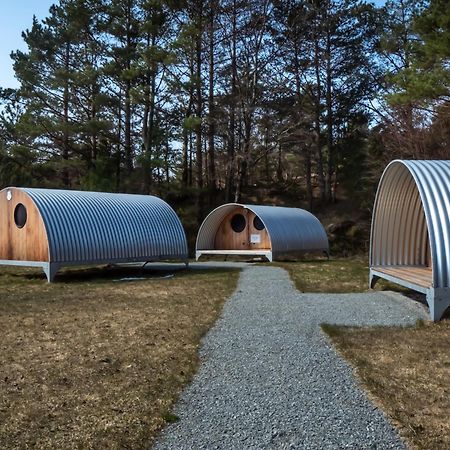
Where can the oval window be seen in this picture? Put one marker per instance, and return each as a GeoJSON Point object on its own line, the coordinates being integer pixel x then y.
{"type": "Point", "coordinates": [238, 223]}
{"type": "Point", "coordinates": [20, 215]}
{"type": "Point", "coordinates": [258, 224]}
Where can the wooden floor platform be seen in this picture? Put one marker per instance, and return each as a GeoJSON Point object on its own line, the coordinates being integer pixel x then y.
{"type": "Point", "coordinates": [418, 275]}
{"type": "Point", "coordinates": [261, 252]}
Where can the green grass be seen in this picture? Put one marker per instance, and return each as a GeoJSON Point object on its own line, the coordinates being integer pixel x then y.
{"type": "Point", "coordinates": [170, 417]}
{"type": "Point", "coordinates": [92, 362]}
{"type": "Point", "coordinates": [406, 372]}
{"type": "Point", "coordinates": [342, 275]}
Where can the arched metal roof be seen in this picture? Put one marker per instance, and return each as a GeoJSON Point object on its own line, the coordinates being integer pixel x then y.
{"type": "Point", "coordinates": [103, 227]}
{"type": "Point", "coordinates": [412, 212]}
{"type": "Point", "coordinates": [290, 229]}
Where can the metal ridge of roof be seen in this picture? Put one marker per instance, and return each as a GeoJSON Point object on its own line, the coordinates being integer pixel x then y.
{"type": "Point", "coordinates": [97, 226]}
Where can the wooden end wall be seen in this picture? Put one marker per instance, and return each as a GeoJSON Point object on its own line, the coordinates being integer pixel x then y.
{"type": "Point", "coordinates": [227, 239]}
{"type": "Point", "coordinates": [29, 243]}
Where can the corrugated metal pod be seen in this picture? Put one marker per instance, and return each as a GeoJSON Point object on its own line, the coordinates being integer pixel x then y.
{"type": "Point", "coordinates": [76, 227]}
{"type": "Point", "coordinates": [255, 230]}
{"type": "Point", "coordinates": [410, 235]}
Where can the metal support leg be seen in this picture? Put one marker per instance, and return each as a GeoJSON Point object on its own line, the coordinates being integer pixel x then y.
{"type": "Point", "coordinates": [50, 271]}
{"type": "Point", "coordinates": [438, 301]}
{"type": "Point", "coordinates": [373, 280]}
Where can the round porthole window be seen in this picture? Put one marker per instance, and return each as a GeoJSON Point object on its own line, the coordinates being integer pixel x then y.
{"type": "Point", "coordinates": [20, 215]}
{"type": "Point", "coordinates": [238, 223]}
{"type": "Point", "coordinates": [258, 224]}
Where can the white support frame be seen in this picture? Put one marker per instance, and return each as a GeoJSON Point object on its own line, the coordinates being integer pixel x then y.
{"type": "Point", "coordinates": [438, 299]}
{"type": "Point", "coordinates": [264, 253]}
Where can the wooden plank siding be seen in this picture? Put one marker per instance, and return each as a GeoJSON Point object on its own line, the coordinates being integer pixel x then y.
{"type": "Point", "coordinates": [227, 239]}
{"type": "Point", "coordinates": [29, 243]}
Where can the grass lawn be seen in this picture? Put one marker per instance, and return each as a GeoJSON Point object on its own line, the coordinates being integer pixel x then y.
{"type": "Point", "coordinates": [89, 362]}
{"type": "Point", "coordinates": [405, 370]}
{"type": "Point", "coordinates": [334, 275]}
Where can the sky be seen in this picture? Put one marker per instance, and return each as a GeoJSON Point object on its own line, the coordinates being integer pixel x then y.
{"type": "Point", "coordinates": [16, 16]}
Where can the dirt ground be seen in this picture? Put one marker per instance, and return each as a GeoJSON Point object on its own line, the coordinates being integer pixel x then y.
{"type": "Point", "coordinates": [91, 362]}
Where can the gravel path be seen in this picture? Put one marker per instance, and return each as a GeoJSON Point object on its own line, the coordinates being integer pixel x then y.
{"type": "Point", "coordinates": [270, 379]}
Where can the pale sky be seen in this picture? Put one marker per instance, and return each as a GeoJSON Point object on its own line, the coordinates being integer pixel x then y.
{"type": "Point", "coordinates": [16, 16]}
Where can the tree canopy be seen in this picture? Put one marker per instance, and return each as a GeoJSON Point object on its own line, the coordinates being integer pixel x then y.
{"type": "Point", "coordinates": [208, 101]}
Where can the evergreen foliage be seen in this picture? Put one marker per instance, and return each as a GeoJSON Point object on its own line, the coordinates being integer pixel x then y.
{"type": "Point", "coordinates": [213, 100]}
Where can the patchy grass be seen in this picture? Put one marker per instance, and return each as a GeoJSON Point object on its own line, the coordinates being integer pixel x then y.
{"type": "Point", "coordinates": [89, 362]}
{"type": "Point", "coordinates": [406, 371]}
{"type": "Point", "coordinates": [334, 275]}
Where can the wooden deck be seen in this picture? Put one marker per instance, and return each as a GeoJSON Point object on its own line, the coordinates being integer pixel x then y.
{"type": "Point", "coordinates": [266, 253]}
{"type": "Point", "coordinates": [417, 275]}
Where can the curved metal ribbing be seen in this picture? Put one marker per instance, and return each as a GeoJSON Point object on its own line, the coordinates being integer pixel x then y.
{"type": "Point", "coordinates": [289, 229]}
{"type": "Point", "coordinates": [411, 217]}
{"type": "Point", "coordinates": [95, 226]}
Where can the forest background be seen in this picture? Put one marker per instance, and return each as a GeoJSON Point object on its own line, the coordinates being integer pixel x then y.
{"type": "Point", "coordinates": [287, 102]}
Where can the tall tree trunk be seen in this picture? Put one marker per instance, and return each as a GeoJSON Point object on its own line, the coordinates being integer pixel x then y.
{"type": "Point", "coordinates": [166, 163]}
{"type": "Point", "coordinates": [279, 165]}
{"type": "Point", "coordinates": [307, 150]}
{"type": "Point", "coordinates": [93, 114]}
{"type": "Point", "coordinates": [308, 179]}
{"type": "Point", "coordinates": [199, 109]}
{"type": "Point", "coordinates": [185, 164]}
{"type": "Point", "coordinates": [232, 123]}
{"type": "Point", "coordinates": [329, 106]}
{"type": "Point", "coordinates": [317, 122]}
{"type": "Point", "coordinates": [66, 105]}
{"type": "Point", "coordinates": [266, 155]}
{"type": "Point", "coordinates": [243, 165]}
{"type": "Point", "coordinates": [211, 121]}
{"type": "Point", "coordinates": [127, 131]}
{"type": "Point", "coordinates": [148, 129]}
{"type": "Point", "coordinates": [151, 130]}
{"type": "Point", "coordinates": [119, 151]}
{"type": "Point", "coordinates": [191, 153]}
{"type": "Point", "coordinates": [187, 133]}
{"type": "Point", "coordinates": [128, 112]}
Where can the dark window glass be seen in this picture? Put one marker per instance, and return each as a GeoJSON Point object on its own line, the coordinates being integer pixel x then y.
{"type": "Point", "coordinates": [257, 223]}
{"type": "Point", "coordinates": [20, 215]}
{"type": "Point", "coordinates": [238, 223]}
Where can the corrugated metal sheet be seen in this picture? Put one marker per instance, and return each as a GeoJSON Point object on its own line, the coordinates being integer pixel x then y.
{"type": "Point", "coordinates": [290, 229]}
{"type": "Point", "coordinates": [98, 227]}
{"type": "Point", "coordinates": [411, 220]}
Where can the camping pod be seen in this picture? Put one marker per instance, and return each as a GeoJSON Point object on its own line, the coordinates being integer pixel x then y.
{"type": "Point", "coordinates": [53, 228]}
{"type": "Point", "coordinates": [269, 232]}
{"type": "Point", "coordinates": [410, 235]}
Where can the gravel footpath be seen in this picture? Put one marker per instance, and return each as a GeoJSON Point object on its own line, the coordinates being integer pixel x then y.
{"type": "Point", "coordinates": [270, 379]}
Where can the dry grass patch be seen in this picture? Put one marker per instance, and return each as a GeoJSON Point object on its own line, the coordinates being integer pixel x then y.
{"type": "Point", "coordinates": [407, 372]}
{"type": "Point", "coordinates": [88, 362]}
{"type": "Point", "coordinates": [335, 275]}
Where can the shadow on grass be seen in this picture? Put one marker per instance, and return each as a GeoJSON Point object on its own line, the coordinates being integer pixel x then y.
{"type": "Point", "coordinates": [105, 274]}
{"type": "Point", "coordinates": [335, 331]}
